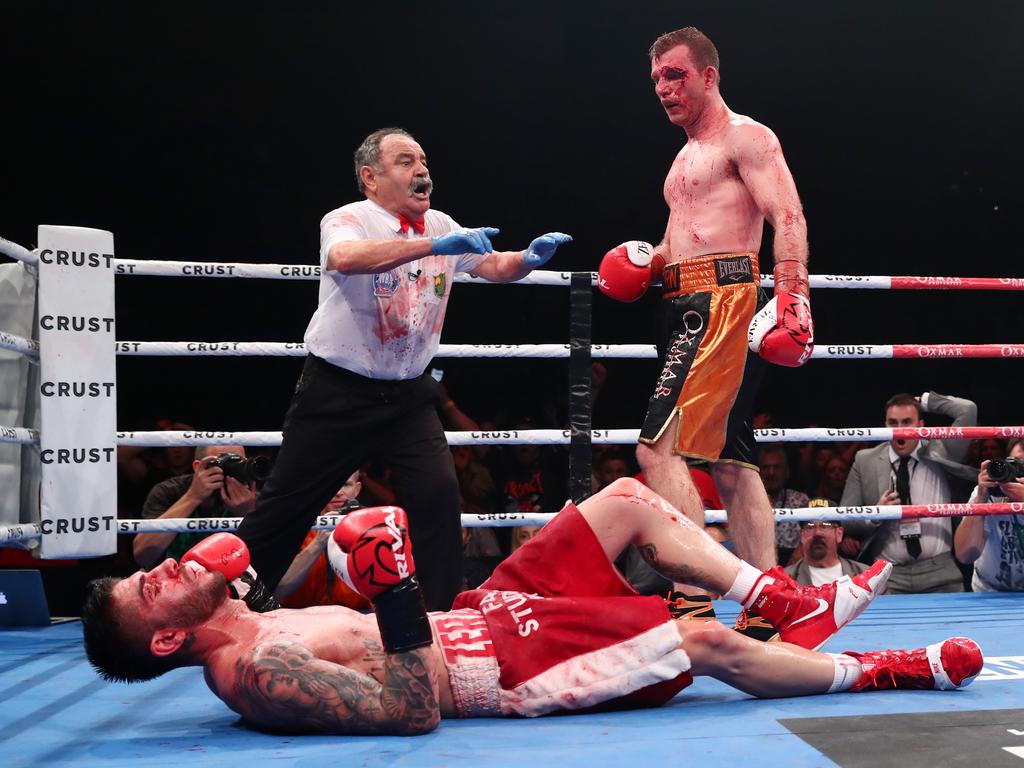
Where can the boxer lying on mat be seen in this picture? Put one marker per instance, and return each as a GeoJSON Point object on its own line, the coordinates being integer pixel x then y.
{"type": "Point", "coordinates": [555, 628]}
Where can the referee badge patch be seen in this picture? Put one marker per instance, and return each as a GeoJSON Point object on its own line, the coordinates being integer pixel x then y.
{"type": "Point", "coordinates": [440, 285]}
{"type": "Point", "coordinates": [385, 283]}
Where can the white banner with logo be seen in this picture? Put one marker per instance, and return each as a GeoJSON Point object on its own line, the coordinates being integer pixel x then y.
{"type": "Point", "coordinates": [78, 436]}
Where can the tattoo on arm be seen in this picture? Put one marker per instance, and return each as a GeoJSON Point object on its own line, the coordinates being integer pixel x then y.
{"type": "Point", "coordinates": [374, 657]}
{"type": "Point", "coordinates": [285, 686]}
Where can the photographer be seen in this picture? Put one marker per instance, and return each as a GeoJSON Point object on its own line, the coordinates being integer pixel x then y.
{"type": "Point", "coordinates": [995, 543]}
{"type": "Point", "coordinates": [310, 580]}
{"type": "Point", "coordinates": [222, 484]}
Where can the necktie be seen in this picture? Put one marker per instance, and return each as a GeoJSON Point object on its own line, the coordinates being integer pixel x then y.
{"type": "Point", "coordinates": [903, 489]}
{"type": "Point", "coordinates": [418, 226]}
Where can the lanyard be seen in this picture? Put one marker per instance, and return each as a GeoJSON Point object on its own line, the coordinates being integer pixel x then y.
{"type": "Point", "coordinates": [1019, 533]}
{"type": "Point", "coordinates": [894, 466]}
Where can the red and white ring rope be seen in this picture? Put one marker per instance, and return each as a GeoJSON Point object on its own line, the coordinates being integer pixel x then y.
{"type": "Point", "coordinates": [554, 351]}
{"type": "Point", "coordinates": [25, 531]}
{"type": "Point", "coordinates": [159, 268]}
{"type": "Point", "coordinates": [167, 438]}
{"type": "Point", "coordinates": [547, 351]}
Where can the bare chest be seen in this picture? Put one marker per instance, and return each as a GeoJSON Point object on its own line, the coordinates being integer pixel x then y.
{"type": "Point", "coordinates": [328, 633]}
{"type": "Point", "coordinates": [333, 634]}
{"type": "Point", "coordinates": [700, 172]}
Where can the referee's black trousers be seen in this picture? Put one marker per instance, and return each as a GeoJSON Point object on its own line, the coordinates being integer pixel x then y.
{"type": "Point", "coordinates": [338, 420]}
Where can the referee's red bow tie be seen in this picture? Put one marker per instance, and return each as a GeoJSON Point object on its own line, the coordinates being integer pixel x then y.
{"type": "Point", "coordinates": [418, 226]}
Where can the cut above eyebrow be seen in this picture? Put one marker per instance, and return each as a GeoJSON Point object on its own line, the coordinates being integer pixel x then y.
{"type": "Point", "coordinates": [142, 586]}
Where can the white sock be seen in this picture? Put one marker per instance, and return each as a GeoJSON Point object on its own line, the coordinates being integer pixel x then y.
{"type": "Point", "coordinates": [848, 672]}
{"type": "Point", "coordinates": [742, 590]}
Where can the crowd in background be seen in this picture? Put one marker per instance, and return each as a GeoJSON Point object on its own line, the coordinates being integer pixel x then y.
{"type": "Point", "coordinates": [504, 481]}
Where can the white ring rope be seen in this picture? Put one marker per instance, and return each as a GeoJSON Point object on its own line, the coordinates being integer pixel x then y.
{"type": "Point", "coordinates": [18, 252]}
{"type": "Point", "coordinates": [298, 349]}
{"type": "Point", "coordinates": [21, 435]}
{"type": "Point", "coordinates": [25, 531]}
{"type": "Point", "coordinates": [27, 347]}
{"type": "Point", "coordinates": [167, 438]}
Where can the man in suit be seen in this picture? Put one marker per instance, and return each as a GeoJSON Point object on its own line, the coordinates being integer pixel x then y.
{"type": "Point", "coordinates": [912, 472]}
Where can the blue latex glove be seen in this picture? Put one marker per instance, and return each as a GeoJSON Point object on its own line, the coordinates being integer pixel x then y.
{"type": "Point", "coordinates": [543, 248]}
{"type": "Point", "coordinates": [463, 241]}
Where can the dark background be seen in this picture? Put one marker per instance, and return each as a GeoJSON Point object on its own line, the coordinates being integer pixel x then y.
{"type": "Point", "coordinates": [224, 133]}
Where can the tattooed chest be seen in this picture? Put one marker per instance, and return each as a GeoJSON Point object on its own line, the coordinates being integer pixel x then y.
{"type": "Point", "coordinates": [357, 652]}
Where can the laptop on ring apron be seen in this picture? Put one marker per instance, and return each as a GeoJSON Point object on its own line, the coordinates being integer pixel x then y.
{"type": "Point", "coordinates": [22, 599]}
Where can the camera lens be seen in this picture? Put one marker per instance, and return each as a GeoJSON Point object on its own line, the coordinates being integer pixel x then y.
{"type": "Point", "coordinates": [999, 471]}
{"type": "Point", "coordinates": [259, 467]}
{"type": "Point", "coordinates": [1006, 470]}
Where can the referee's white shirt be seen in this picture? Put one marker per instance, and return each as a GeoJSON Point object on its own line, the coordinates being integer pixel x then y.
{"type": "Point", "coordinates": [386, 325]}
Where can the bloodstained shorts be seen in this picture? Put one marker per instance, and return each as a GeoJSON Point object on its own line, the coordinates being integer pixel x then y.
{"type": "Point", "coordinates": [709, 377]}
{"type": "Point", "coordinates": [568, 632]}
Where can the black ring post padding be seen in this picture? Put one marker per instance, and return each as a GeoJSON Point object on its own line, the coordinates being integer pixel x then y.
{"type": "Point", "coordinates": [580, 294]}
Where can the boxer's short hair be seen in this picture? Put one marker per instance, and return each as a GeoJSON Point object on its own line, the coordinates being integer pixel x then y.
{"type": "Point", "coordinates": [703, 50]}
{"type": "Point", "coordinates": [115, 652]}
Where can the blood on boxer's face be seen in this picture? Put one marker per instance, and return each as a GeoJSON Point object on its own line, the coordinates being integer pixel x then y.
{"type": "Point", "coordinates": [679, 85]}
{"type": "Point", "coordinates": [168, 595]}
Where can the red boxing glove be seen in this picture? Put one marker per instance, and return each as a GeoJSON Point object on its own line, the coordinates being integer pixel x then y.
{"type": "Point", "coordinates": [628, 270]}
{"type": "Point", "coordinates": [783, 332]}
{"type": "Point", "coordinates": [226, 554]}
{"type": "Point", "coordinates": [371, 552]}
{"type": "Point", "coordinates": [222, 553]}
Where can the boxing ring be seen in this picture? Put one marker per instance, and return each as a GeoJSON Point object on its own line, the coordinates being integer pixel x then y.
{"type": "Point", "coordinates": [55, 710]}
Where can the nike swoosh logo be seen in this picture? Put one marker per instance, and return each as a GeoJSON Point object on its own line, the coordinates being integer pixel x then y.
{"type": "Point", "coordinates": [822, 607]}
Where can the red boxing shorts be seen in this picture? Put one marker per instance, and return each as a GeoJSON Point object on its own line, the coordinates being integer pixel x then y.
{"type": "Point", "coordinates": [709, 377]}
{"type": "Point", "coordinates": [569, 633]}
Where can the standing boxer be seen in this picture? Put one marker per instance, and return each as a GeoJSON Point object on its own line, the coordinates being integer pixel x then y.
{"type": "Point", "coordinates": [725, 182]}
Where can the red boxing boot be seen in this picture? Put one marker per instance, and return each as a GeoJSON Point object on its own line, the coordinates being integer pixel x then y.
{"type": "Point", "coordinates": [945, 666]}
{"type": "Point", "coordinates": [809, 616]}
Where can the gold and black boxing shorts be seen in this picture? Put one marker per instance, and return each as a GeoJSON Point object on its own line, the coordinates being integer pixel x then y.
{"type": "Point", "coordinates": [709, 377]}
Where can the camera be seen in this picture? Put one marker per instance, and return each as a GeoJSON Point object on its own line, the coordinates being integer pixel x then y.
{"type": "Point", "coordinates": [1005, 470]}
{"type": "Point", "coordinates": [246, 471]}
